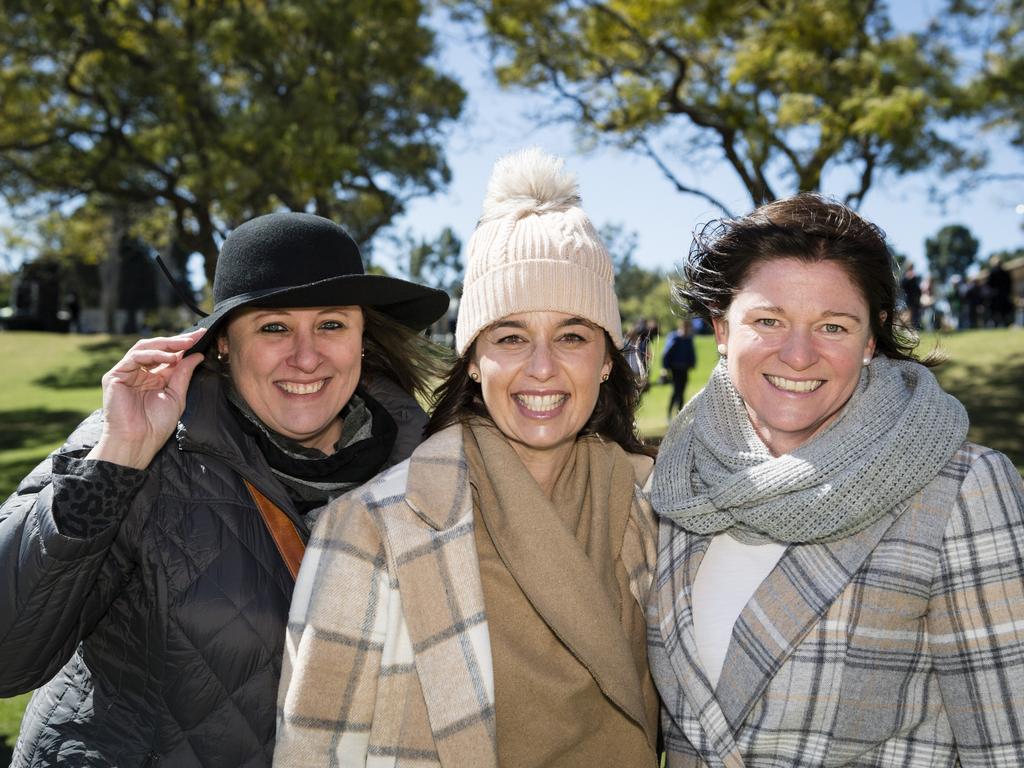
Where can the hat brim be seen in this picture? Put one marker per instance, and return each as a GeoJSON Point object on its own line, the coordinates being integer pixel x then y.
{"type": "Point", "coordinates": [414, 306]}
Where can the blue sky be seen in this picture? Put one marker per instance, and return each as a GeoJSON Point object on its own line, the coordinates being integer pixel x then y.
{"type": "Point", "coordinates": [629, 190]}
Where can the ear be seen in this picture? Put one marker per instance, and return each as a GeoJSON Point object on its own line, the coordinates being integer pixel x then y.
{"type": "Point", "coordinates": [721, 326]}
{"type": "Point", "coordinates": [869, 348]}
{"type": "Point", "coordinates": [606, 368]}
{"type": "Point", "coordinates": [222, 343]}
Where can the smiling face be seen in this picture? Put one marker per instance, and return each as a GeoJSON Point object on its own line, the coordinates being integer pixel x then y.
{"type": "Point", "coordinates": [796, 335]}
{"type": "Point", "coordinates": [296, 368]}
{"type": "Point", "coordinates": [540, 374]}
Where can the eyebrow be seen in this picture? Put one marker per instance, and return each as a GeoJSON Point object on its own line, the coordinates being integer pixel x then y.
{"type": "Point", "coordinates": [828, 313]}
{"type": "Point", "coordinates": [832, 313]}
{"type": "Point", "coordinates": [264, 311]}
{"type": "Point", "coordinates": [522, 326]}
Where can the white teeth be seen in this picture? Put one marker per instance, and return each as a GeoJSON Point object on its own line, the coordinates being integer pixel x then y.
{"type": "Point", "coordinates": [541, 403]}
{"type": "Point", "coordinates": [294, 388]}
{"type": "Point", "coordinates": [795, 386]}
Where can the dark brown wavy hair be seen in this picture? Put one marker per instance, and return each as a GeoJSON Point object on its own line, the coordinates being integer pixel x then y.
{"type": "Point", "coordinates": [458, 399]}
{"type": "Point", "coordinates": [811, 228]}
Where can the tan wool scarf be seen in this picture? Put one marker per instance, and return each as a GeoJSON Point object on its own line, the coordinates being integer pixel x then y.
{"type": "Point", "coordinates": [567, 633]}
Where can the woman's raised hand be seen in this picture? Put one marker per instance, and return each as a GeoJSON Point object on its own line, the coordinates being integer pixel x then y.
{"type": "Point", "coordinates": [143, 398]}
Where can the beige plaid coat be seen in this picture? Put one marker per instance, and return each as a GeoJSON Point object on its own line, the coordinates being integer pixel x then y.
{"type": "Point", "coordinates": [387, 658]}
{"type": "Point", "coordinates": [902, 645]}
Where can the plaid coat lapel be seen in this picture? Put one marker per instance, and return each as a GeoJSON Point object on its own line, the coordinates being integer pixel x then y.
{"type": "Point", "coordinates": [689, 699]}
{"type": "Point", "coordinates": [796, 594]}
{"type": "Point", "coordinates": [433, 553]}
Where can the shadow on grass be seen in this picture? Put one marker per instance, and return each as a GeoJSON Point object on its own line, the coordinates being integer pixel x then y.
{"type": "Point", "coordinates": [27, 429]}
{"type": "Point", "coordinates": [994, 399]}
{"type": "Point", "coordinates": [11, 474]}
{"type": "Point", "coordinates": [31, 427]}
{"type": "Point", "coordinates": [6, 753]}
{"type": "Point", "coordinates": [102, 355]}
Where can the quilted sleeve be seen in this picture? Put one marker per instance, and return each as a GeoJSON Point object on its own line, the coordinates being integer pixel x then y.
{"type": "Point", "coordinates": [55, 531]}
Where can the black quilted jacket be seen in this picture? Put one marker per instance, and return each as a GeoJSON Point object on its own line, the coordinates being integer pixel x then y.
{"type": "Point", "coordinates": [163, 633]}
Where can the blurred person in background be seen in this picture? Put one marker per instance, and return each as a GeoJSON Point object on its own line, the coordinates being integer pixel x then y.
{"type": "Point", "coordinates": [678, 357]}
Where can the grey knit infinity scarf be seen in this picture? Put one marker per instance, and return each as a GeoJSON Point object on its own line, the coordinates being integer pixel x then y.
{"type": "Point", "coordinates": [891, 438]}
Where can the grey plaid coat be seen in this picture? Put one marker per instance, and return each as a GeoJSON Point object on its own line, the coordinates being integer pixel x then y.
{"type": "Point", "coordinates": [902, 645]}
{"type": "Point", "coordinates": [388, 658]}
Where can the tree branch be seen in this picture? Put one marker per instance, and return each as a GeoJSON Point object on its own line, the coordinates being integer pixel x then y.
{"type": "Point", "coordinates": [674, 180]}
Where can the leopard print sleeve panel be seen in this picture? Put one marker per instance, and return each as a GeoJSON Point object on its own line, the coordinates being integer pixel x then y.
{"type": "Point", "coordinates": [89, 496]}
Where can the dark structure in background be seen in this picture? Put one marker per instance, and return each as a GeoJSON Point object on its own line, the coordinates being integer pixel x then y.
{"type": "Point", "coordinates": [54, 295]}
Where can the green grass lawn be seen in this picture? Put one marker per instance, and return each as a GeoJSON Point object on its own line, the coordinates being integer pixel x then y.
{"type": "Point", "coordinates": [50, 382]}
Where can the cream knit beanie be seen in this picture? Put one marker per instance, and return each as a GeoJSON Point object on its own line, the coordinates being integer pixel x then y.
{"type": "Point", "coordinates": [534, 249]}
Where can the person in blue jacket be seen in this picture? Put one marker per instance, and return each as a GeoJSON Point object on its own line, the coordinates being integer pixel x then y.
{"type": "Point", "coordinates": [678, 357]}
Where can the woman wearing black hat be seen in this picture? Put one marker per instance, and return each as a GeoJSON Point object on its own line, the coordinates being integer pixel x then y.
{"type": "Point", "coordinates": [147, 566]}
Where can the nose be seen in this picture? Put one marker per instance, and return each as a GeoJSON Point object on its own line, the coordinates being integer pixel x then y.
{"type": "Point", "coordinates": [542, 363]}
{"type": "Point", "coordinates": [798, 351]}
{"type": "Point", "coordinates": [304, 354]}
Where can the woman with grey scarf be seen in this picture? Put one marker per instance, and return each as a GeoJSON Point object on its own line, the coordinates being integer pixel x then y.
{"type": "Point", "coordinates": [840, 576]}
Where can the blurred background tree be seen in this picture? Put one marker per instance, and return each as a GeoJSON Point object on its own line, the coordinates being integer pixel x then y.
{"type": "Point", "coordinates": [436, 262]}
{"type": "Point", "coordinates": [643, 293]}
{"type": "Point", "coordinates": [994, 30]}
{"type": "Point", "coordinates": [951, 251]}
{"type": "Point", "coordinates": [214, 112]}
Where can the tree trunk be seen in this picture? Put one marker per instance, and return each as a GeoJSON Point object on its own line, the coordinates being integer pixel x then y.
{"type": "Point", "coordinates": [110, 269]}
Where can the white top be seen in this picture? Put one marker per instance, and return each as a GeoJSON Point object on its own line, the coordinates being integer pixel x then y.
{"type": "Point", "coordinates": [727, 578]}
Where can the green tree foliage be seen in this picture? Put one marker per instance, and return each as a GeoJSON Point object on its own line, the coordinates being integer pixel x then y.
{"type": "Point", "coordinates": [996, 29]}
{"type": "Point", "coordinates": [641, 292]}
{"type": "Point", "coordinates": [951, 251]}
{"type": "Point", "coordinates": [220, 110]}
{"type": "Point", "coordinates": [437, 262]}
{"type": "Point", "coordinates": [782, 90]}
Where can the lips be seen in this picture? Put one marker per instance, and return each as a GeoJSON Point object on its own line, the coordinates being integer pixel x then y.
{"type": "Point", "coordinates": [541, 403]}
{"type": "Point", "coordinates": [302, 388]}
{"type": "Point", "coordinates": [791, 385]}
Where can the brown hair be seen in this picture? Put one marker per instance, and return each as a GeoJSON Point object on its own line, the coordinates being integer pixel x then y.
{"type": "Point", "coordinates": [458, 398]}
{"type": "Point", "coordinates": [808, 227]}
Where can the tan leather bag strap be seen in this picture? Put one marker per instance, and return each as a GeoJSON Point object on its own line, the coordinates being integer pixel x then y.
{"type": "Point", "coordinates": [282, 530]}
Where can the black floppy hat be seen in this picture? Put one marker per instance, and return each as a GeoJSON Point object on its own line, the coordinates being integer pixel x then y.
{"type": "Point", "coordinates": [302, 260]}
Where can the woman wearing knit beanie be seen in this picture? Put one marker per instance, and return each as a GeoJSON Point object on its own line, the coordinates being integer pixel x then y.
{"type": "Point", "coordinates": [483, 603]}
{"type": "Point", "coordinates": [840, 575]}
